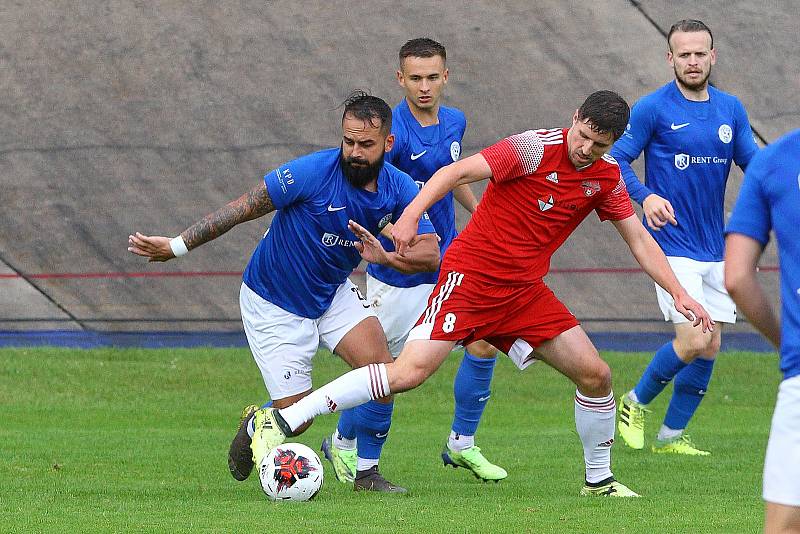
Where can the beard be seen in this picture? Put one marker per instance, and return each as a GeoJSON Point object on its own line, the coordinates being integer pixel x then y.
{"type": "Point", "coordinates": [692, 85]}
{"type": "Point", "coordinates": [361, 174]}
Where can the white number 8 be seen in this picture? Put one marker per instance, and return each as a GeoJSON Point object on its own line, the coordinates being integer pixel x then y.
{"type": "Point", "coordinates": [449, 323]}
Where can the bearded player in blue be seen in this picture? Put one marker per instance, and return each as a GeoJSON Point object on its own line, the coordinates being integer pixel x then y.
{"type": "Point", "coordinates": [770, 200]}
{"type": "Point", "coordinates": [690, 133]}
{"type": "Point", "coordinates": [427, 137]}
{"type": "Point", "coordinates": [296, 294]}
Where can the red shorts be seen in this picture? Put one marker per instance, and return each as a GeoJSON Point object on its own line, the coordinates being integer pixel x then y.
{"type": "Point", "coordinates": [464, 310]}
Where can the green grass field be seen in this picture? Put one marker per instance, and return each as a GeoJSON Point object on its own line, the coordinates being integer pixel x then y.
{"type": "Point", "coordinates": [136, 440]}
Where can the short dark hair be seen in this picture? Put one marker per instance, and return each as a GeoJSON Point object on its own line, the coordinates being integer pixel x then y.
{"type": "Point", "coordinates": [366, 107]}
{"type": "Point", "coordinates": [422, 47]}
{"type": "Point", "coordinates": [689, 25]}
{"type": "Point", "coordinates": [605, 111]}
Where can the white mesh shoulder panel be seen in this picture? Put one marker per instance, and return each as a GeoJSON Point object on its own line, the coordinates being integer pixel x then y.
{"type": "Point", "coordinates": [529, 148]}
{"type": "Point", "coordinates": [620, 187]}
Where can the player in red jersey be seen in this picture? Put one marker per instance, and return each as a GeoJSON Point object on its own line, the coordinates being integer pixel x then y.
{"type": "Point", "coordinates": [543, 184]}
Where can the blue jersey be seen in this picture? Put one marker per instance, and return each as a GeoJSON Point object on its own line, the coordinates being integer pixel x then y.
{"type": "Point", "coordinates": [421, 151]}
{"type": "Point", "coordinates": [688, 149]}
{"type": "Point", "coordinates": [770, 200]}
{"type": "Point", "coordinates": [308, 251]}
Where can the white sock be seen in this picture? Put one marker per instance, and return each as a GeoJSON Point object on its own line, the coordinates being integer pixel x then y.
{"type": "Point", "coordinates": [594, 420]}
{"type": "Point", "coordinates": [365, 463]}
{"type": "Point", "coordinates": [251, 426]}
{"type": "Point", "coordinates": [343, 443]}
{"type": "Point", "coordinates": [632, 396]}
{"type": "Point", "coordinates": [349, 390]}
{"type": "Point", "coordinates": [668, 434]}
{"type": "Point", "coordinates": [460, 442]}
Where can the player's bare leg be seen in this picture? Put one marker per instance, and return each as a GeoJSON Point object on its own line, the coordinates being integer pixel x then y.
{"type": "Point", "coordinates": [418, 360]}
{"type": "Point", "coordinates": [365, 343]}
{"type": "Point", "coordinates": [574, 355]}
{"type": "Point", "coordinates": [781, 519]}
{"type": "Point", "coordinates": [269, 430]}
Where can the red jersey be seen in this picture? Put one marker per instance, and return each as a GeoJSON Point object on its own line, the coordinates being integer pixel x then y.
{"type": "Point", "coordinates": [535, 200]}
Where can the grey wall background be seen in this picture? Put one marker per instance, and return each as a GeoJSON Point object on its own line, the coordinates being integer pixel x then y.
{"type": "Point", "coordinates": [123, 115]}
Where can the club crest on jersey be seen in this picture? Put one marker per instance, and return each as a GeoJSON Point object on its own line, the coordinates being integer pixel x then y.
{"type": "Point", "coordinates": [681, 161]}
{"type": "Point", "coordinates": [384, 221]}
{"type": "Point", "coordinates": [455, 150]}
{"type": "Point", "coordinates": [547, 202]}
{"type": "Point", "coordinates": [590, 187]}
{"type": "Point", "coordinates": [725, 133]}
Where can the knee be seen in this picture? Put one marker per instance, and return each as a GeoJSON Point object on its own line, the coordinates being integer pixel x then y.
{"type": "Point", "coordinates": [403, 377]}
{"type": "Point", "coordinates": [706, 345]}
{"type": "Point", "coordinates": [482, 349]}
{"type": "Point", "coordinates": [595, 381]}
{"type": "Point", "coordinates": [379, 352]}
{"type": "Point", "coordinates": [713, 347]}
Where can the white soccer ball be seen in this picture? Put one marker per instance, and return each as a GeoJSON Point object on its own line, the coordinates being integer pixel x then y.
{"type": "Point", "coordinates": [291, 472]}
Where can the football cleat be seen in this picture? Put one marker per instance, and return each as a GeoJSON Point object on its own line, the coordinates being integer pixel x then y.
{"type": "Point", "coordinates": [240, 457]}
{"type": "Point", "coordinates": [683, 444]}
{"type": "Point", "coordinates": [607, 488]}
{"type": "Point", "coordinates": [344, 461]}
{"type": "Point", "coordinates": [475, 461]}
{"type": "Point", "coordinates": [270, 431]}
{"type": "Point", "coordinates": [631, 422]}
{"type": "Point", "coordinates": [371, 480]}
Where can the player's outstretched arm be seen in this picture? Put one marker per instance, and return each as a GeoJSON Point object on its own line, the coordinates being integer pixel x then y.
{"type": "Point", "coordinates": [741, 260]}
{"type": "Point", "coordinates": [249, 206]}
{"type": "Point", "coordinates": [464, 171]}
{"type": "Point", "coordinates": [655, 264]}
{"type": "Point", "coordinates": [422, 256]}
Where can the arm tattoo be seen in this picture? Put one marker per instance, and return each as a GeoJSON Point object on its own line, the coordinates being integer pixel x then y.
{"type": "Point", "coordinates": [247, 207]}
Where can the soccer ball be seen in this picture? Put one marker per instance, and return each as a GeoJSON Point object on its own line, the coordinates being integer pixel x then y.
{"type": "Point", "coordinates": [291, 472]}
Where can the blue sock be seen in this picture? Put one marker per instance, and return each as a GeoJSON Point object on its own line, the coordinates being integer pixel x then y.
{"type": "Point", "coordinates": [663, 368]}
{"type": "Point", "coordinates": [347, 424]}
{"type": "Point", "coordinates": [266, 404]}
{"type": "Point", "coordinates": [471, 391]}
{"type": "Point", "coordinates": [690, 387]}
{"type": "Point", "coordinates": [373, 420]}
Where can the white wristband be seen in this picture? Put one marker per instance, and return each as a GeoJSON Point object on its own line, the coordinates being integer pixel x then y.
{"type": "Point", "coordinates": [178, 246]}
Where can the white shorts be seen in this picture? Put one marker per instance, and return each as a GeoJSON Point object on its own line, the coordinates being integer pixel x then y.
{"type": "Point", "coordinates": [782, 464]}
{"type": "Point", "coordinates": [705, 283]}
{"type": "Point", "coordinates": [397, 308]}
{"type": "Point", "coordinates": [284, 343]}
